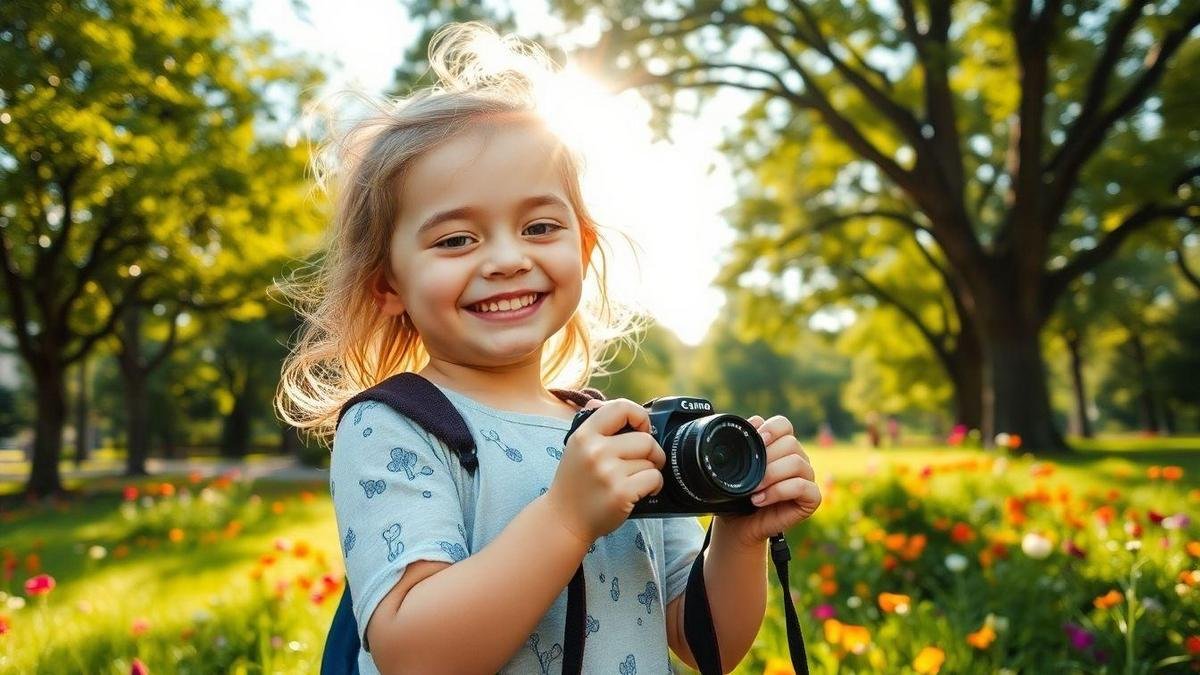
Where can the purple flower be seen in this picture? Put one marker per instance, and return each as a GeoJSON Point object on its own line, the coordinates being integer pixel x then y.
{"type": "Point", "coordinates": [1080, 638]}
{"type": "Point", "coordinates": [822, 612]}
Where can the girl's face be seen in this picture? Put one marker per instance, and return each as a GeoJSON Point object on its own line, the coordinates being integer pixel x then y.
{"type": "Point", "coordinates": [484, 218]}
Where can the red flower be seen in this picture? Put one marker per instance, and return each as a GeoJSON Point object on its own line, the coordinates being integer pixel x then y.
{"type": "Point", "coordinates": [5, 626]}
{"type": "Point", "coordinates": [39, 585]}
{"type": "Point", "coordinates": [139, 668]}
{"type": "Point", "coordinates": [1193, 645]}
{"type": "Point", "coordinates": [962, 533]}
{"type": "Point", "coordinates": [130, 493]}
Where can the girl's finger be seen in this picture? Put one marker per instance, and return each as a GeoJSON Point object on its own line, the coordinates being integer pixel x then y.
{"type": "Point", "coordinates": [776, 427]}
{"type": "Point", "coordinates": [755, 421]}
{"type": "Point", "coordinates": [785, 467]}
{"type": "Point", "coordinates": [781, 447]}
{"type": "Point", "coordinates": [803, 491]}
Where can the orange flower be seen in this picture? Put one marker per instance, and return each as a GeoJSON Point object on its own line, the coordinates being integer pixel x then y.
{"type": "Point", "coordinates": [5, 626]}
{"type": "Point", "coordinates": [895, 542]}
{"type": "Point", "coordinates": [894, 602]}
{"type": "Point", "coordinates": [33, 563]}
{"type": "Point", "coordinates": [777, 666]}
{"type": "Point", "coordinates": [854, 639]}
{"type": "Point", "coordinates": [982, 638]}
{"type": "Point", "coordinates": [930, 660]}
{"type": "Point", "coordinates": [300, 549]}
{"type": "Point", "coordinates": [829, 587]}
{"type": "Point", "coordinates": [307, 496]}
{"type": "Point", "coordinates": [1154, 472]}
{"type": "Point", "coordinates": [1172, 472]}
{"type": "Point", "coordinates": [175, 535]}
{"type": "Point", "coordinates": [120, 551]}
{"type": "Point", "coordinates": [1193, 548]}
{"type": "Point", "coordinates": [277, 508]}
{"type": "Point", "coordinates": [1105, 514]}
{"type": "Point", "coordinates": [139, 626]}
{"type": "Point", "coordinates": [194, 477]}
{"type": "Point", "coordinates": [826, 571]}
{"type": "Point", "coordinates": [233, 528]}
{"type": "Point", "coordinates": [1109, 599]}
{"type": "Point", "coordinates": [166, 490]}
{"type": "Point", "coordinates": [961, 533]}
{"type": "Point", "coordinates": [916, 545]}
{"type": "Point", "coordinates": [890, 562]}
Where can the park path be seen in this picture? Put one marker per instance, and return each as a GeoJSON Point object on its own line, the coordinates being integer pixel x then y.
{"type": "Point", "coordinates": [268, 468]}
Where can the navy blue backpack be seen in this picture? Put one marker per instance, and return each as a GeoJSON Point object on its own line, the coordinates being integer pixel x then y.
{"type": "Point", "coordinates": [422, 402]}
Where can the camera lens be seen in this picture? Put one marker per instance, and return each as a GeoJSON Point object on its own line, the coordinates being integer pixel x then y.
{"type": "Point", "coordinates": [717, 458]}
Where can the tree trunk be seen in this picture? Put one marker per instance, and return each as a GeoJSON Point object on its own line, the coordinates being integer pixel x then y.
{"type": "Point", "coordinates": [82, 431]}
{"type": "Point", "coordinates": [1083, 425]}
{"type": "Point", "coordinates": [235, 437]}
{"type": "Point", "coordinates": [966, 375]}
{"type": "Point", "coordinates": [48, 431]}
{"type": "Point", "coordinates": [1147, 411]}
{"type": "Point", "coordinates": [134, 378]}
{"type": "Point", "coordinates": [1017, 374]}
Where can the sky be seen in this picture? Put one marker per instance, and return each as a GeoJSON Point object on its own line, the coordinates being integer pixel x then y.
{"type": "Point", "coordinates": [666, 196]}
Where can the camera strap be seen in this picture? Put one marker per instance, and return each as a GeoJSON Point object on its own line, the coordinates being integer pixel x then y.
{"type": "Point", "coordinates": [698, 626]}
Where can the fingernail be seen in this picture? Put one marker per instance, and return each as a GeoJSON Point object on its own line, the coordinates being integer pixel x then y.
{"type": "Point", "coordinates": [759, 498]}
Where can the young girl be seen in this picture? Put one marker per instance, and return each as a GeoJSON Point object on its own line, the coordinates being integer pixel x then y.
{"type": "Point", "coordinates": [460, 251]}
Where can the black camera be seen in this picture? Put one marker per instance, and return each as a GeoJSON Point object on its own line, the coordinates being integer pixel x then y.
{"type": "Point", "coordinates": [714, 460]}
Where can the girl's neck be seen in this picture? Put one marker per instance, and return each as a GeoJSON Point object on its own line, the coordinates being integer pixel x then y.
{"type": "Point", "coordinates": [517, 385]}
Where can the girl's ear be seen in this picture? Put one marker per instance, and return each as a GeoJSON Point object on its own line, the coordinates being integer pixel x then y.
{"type": "Point", "coordinates": [386, 299]}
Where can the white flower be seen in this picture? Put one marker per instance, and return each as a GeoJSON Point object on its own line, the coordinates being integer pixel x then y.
{"type": "Point", "coordinates": [956, 562]}
{"type": "Point", "coordinates": [16, 602]}
{"type": "Point", "coordinates": [1133, 545]}
{"type": "Point", "coordinates": [97, 552]}
{"type": "Point", "coordinates": [854, 602]}
{"type": "Point", "coordinates": [1002, 439]}
{"type": "Point", "coordinates": [1036, 546]}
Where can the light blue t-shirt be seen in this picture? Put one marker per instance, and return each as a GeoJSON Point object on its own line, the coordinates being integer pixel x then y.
{"type": "Point", "coordinates": [400, 495]}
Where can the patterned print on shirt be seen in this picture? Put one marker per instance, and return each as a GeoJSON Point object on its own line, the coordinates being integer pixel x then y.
{"type": "Point", "coordinates": [348, 542]}
{"type": "Point", "coordinates": [640, 543]}
{"type": "Point", "coordinates": [593, 625]}
{"type": "Point", "coordinates": [406, 461]}
{"type": "Point", "coordinates": [629, 666]}
{"type": "Point", "coordinates": [649, 596]}
{"type": "Point", "coordinates": [554, 452]}
{"type": "Point", "coordinates": [616, 590]}
{"type": "Point", "coordinates": [454, 550]}
{"type": "Point", "coordinates": [547, 657]}
{"type": "Point", "coordinates": [395, 546]}
{"type": "Point", "coordinates": [372, 487]}
{"type": "Point", "coordinates": [511, 452]}
{"type": "Point", "coordinates": [359, 410]}
{"type": "Point", "coordinates": [367, 432]}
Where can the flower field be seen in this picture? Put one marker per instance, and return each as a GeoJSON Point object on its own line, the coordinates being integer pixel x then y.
{"type": "Point", "coordinates": [945, 560]}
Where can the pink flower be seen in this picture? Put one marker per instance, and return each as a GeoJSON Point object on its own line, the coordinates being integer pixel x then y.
{"type": "Point", "coordinates": [822, 612]}
{"type": "Point", "coordinates": [1080, 638]}
{"type": "Point", "coordinates": [39, 585]}
{"type": "Point", "coordinates": [139, 668]}
{"type": "Point", "coordinates": [140, 626]}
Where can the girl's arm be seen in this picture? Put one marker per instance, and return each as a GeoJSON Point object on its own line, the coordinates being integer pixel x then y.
{"type": "Point", "coordinates": [735, 576]}
{"type": "Point", "coordinates": [473, 616]}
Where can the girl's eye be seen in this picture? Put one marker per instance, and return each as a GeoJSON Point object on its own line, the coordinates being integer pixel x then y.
{"type": "Point", "coordinates": [446, 243]}
{"type": "Point", "coordinates": [550, 227]}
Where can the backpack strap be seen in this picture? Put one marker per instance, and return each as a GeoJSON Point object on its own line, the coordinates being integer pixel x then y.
{"type": "Point", "coordinates": [422, 402]}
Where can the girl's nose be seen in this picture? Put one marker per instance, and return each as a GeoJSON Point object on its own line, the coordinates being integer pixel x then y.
{"type": "Point", "coordinates": [506, 257]}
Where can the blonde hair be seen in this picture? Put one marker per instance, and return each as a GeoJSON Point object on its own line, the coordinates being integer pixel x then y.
{"type": "Point", "coordinates": [345, 344]}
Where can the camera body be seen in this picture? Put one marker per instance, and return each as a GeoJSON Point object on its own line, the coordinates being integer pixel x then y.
{"type": "Point", "coordinates": [714, 460]}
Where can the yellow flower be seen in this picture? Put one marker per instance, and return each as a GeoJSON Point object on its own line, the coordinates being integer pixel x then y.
{"type": "Point", "coordinates": [776, 666]}
{"type": "Point", "coordinates": [929, 660]}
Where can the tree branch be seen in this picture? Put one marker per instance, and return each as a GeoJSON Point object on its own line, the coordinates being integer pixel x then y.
{"type": "Point", "coordinates": [1085, 139]}
{"type": "Point", "coordinates": [1057, 281]}
{"type": "Point", "coordinates": [16, 298]}
{"type": "Point", "coordinates": [1181, 263]}
{"type": "Point", "coordinates": [935, 342]}
{"type": "Point", "coordinates": [88, 340]}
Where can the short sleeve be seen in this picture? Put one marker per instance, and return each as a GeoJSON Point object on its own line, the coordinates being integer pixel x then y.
{"type": "Point", "coordinates": [395, 500]}
{"type": "Point", "coordinates": [682, 538]}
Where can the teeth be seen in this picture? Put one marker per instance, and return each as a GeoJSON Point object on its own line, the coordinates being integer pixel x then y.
{"type": "Point", "coordinates": [505, 305]}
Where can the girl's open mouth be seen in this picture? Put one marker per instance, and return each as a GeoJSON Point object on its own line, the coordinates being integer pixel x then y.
{"type": "Point", "coordinates": [511, 314]}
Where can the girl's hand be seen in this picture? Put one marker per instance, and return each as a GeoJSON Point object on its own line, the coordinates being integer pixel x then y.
{"type": "Point", "coordinates": [788, 492]}
{"type": "Point", "coordinates": [604, 472]}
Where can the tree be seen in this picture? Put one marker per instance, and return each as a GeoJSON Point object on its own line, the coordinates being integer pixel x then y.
{"type": "Point", "coordinates": [971, 125]}
{"type": "Point", "coordinates": [109, 112]}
